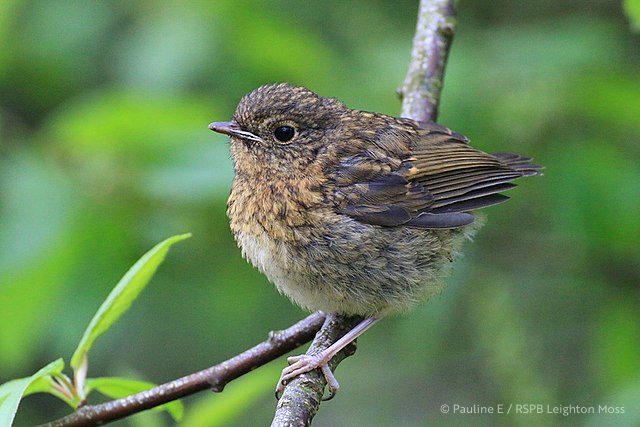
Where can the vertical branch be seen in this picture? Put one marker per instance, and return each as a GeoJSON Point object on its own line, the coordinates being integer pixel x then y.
{"type": "Point", "coordinates": [420, 98]}
{"type": "Point", "coordinates": [301, 399]}
{"type": "Point", "coordinates": [422, 86]}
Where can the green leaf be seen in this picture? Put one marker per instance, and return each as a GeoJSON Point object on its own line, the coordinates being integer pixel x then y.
{"type": "Point", "coordinates": [632, 9]}
{"type": "Point", "coordinates": [117, 388]}
{"type": "Point", "coordinates": [13, 391]}
{"type": "Point", "coordinates": [121, 297]}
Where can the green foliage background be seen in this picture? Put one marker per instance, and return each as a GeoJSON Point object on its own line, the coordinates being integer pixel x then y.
{"type": "Point", "coordinates": [105, 151]}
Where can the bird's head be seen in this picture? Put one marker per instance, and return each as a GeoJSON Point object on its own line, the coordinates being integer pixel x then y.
{"type": "Point", "coordinates": [280, 128]}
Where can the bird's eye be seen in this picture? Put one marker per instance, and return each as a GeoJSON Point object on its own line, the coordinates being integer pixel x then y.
{"type": "Point", "coordinates": [284, 133]}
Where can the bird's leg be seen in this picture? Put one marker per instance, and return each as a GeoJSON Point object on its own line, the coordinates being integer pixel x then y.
{"type": "Point", "coordinates": [305, 363]}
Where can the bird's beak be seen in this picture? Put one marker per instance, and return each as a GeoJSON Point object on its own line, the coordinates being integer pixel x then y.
{"type": "Point", "coordinates": [233, 129]}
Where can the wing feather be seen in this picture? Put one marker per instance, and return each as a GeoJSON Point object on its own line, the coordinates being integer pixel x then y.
{"type": "Point", "coordinates": [428, 178]}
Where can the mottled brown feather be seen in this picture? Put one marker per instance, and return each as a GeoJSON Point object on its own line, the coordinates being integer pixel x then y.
{"type": "Point", "coordinates": [434, 170]}
{"type": "Point", "coordinates": [359, 213]}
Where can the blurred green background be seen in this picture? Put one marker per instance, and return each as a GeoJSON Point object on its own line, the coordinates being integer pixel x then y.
{"type": "Point", "coordinates": [105, 151]}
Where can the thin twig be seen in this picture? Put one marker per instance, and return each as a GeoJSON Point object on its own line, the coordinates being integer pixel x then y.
{"type": "Point", "coordinates": [214, 378]}
{"type": "Point", "coordinates": [425, 76]}
{"type": "Point", "coordinates": [420, 98]}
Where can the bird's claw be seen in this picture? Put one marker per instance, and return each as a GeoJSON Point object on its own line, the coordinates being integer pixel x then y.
{"type": "Point", "coordinates": [305, 363]}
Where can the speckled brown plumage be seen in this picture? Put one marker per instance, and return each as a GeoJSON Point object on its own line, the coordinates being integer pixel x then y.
{"type": "Point", "coordinates": [359, 213]}
{"type": "Point", "coordinates": [353, 212]}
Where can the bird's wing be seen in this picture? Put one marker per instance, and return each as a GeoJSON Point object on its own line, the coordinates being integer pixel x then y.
{"type": "Point", "coordinates": [433, 183]}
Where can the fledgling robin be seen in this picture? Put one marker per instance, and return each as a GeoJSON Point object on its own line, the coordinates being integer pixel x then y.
{"type": "Point", "coordinates": [353, 212]}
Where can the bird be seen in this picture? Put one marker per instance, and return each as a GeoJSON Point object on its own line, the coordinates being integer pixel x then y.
{"type": "Point", "coordinates": [352, 212]}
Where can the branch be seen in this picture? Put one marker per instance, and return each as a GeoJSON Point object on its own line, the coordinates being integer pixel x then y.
{"type": "Point", "coordinates": [422, 86]}
{"type": "Point", "coordinates": [214, 378]}
{"type": "Point", "coordinates": [302, 396]}
{"type": "Point", "coordinates": [420, 98]}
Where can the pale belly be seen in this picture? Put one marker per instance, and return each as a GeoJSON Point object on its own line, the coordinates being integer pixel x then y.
{"type": "Point", "coordinates": [354, 268]}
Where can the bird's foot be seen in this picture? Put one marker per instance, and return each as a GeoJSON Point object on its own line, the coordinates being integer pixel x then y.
{"type": "Point", "coordinates": [305, 363]}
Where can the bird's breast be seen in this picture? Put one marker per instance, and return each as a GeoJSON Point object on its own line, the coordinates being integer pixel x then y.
{"type": "Point", "coordinates": [275, 221]}
{"type": "Point", "coordinates": [275, 208]}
